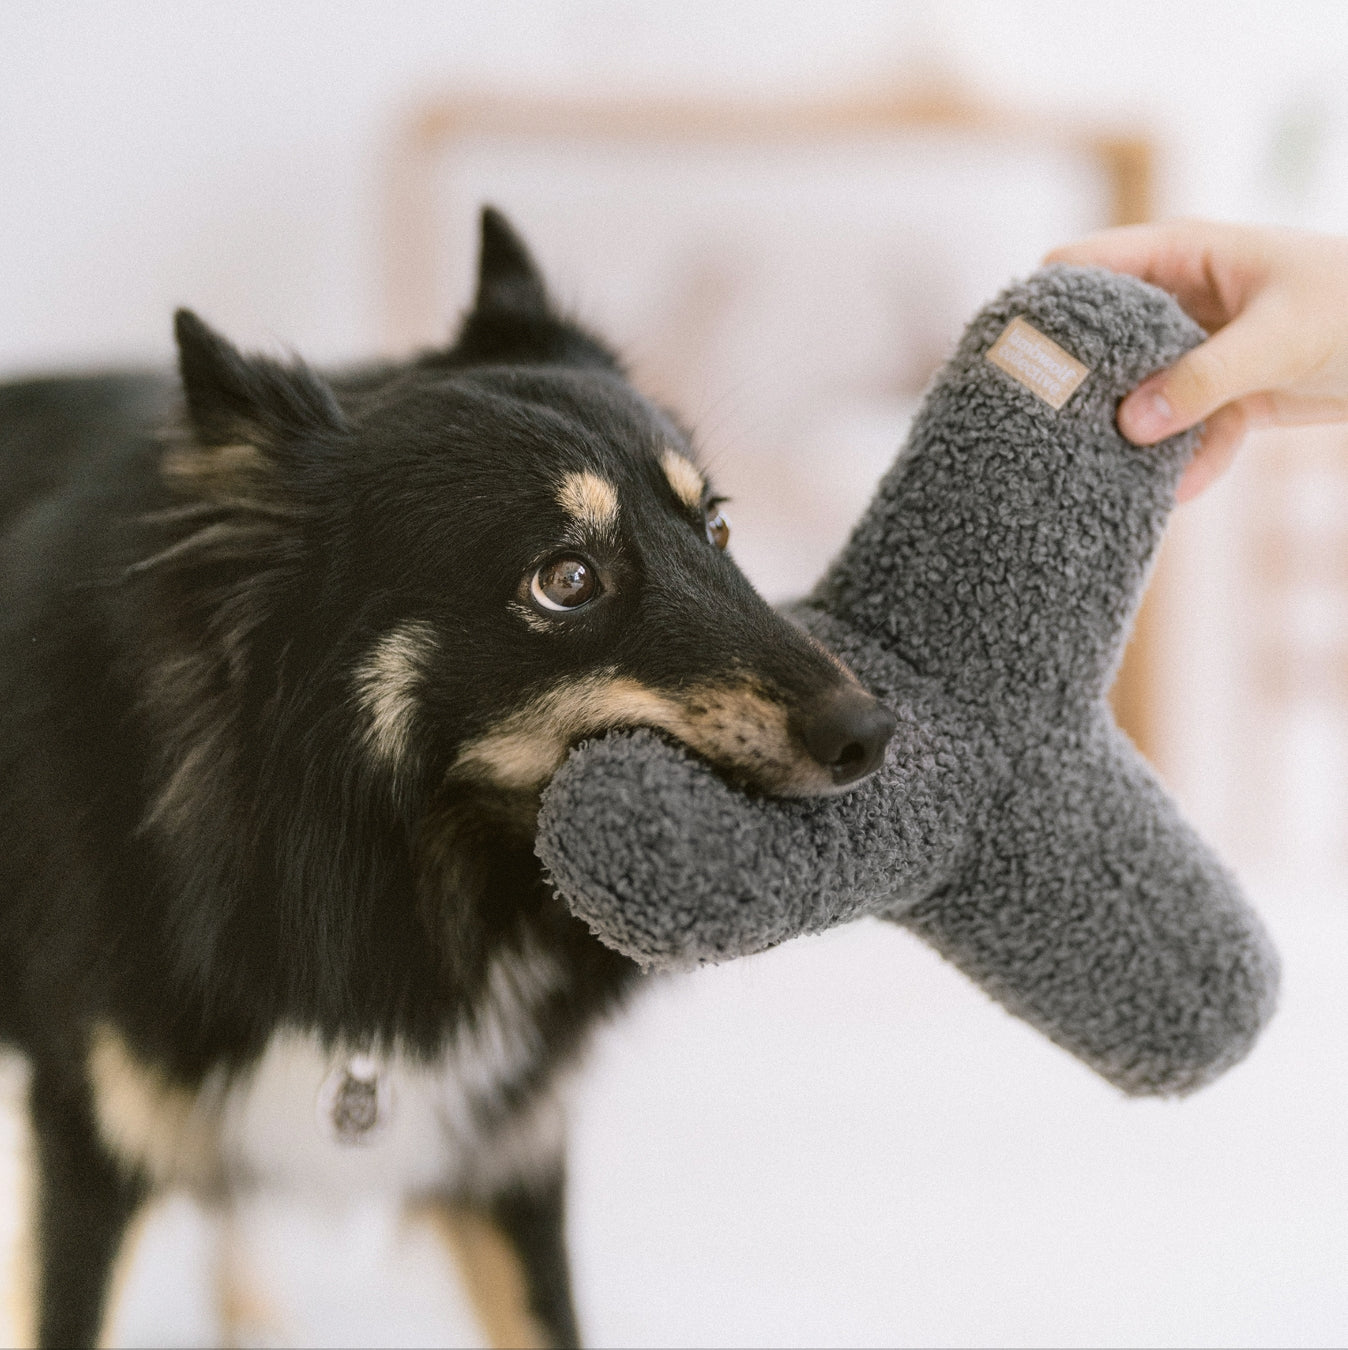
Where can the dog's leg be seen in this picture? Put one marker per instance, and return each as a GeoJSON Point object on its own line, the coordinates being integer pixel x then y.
{"type": "Point", "coordinates": [511, 1256]}
{"type": "Point", "coordinates": [16, 1183]}
{"type": "Point", "coordinates": [533, 1218]}
{"type": "Point", "coordinates": [83, 1203]}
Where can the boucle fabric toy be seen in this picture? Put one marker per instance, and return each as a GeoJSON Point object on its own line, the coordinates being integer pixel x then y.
{"type": "Point", "coordinates": [985, 597]}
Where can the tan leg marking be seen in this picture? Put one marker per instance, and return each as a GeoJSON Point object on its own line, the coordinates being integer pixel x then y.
{"type": "Point", "coordinates": [22, 1266]}
{"type": "Point", "coordinates": [245, 1313]}
{"type": "Point", "coordinates": [118, 1276]}
{"type": "Point", "coordinates": [684, 478]}
{"type": "Point", "coordinates": [169, 1132]}
{"type": "Point", "coordinates": [492, 1274]}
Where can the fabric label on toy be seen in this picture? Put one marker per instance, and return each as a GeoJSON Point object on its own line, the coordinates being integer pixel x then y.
{"type": "Point", "coordinates": [1037, 362]}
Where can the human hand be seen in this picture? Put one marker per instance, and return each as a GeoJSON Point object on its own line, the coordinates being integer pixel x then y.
{"type": "Point", "coordinates": [1276, 304]}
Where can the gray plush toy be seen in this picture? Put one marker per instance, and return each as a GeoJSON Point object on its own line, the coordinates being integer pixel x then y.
{"type": "Point", "coordinates": [985, 596]}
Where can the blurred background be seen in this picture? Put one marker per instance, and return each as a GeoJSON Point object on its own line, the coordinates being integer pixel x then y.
{"type": "Point", "coordinates": [785, 212]}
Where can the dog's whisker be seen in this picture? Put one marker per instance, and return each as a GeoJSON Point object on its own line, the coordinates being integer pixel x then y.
{"type": "Point", "coordinates": [227, 506]}
{"type": "Point", "coordinates": [212, 537]}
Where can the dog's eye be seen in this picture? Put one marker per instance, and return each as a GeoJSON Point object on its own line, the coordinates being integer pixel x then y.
{"type": "Point", "coordinates": [564, 583]}
{"type": "Point", "coordinates": [718, 527]}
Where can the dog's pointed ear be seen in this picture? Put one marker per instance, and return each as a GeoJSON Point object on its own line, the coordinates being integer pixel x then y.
{"type": "Point", "coordinates": [508, 279]}
{"type": "Point", "coordinates": [513, 319]}
{"type": "Point", "coordinates": [233, 397]}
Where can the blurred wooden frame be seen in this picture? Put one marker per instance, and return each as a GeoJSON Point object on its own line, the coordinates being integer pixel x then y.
{"type": "Point", "coordinates": [1126, 161]}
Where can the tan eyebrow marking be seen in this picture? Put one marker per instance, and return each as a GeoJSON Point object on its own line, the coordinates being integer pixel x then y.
{"type": "Point", "coordinates": [589, 500]}
{"type": "Point", "coordinates": [687, 482]}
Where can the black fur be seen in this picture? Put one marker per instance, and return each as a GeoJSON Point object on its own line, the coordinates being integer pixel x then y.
{"type": "Point", "coordinates": [196, 845]}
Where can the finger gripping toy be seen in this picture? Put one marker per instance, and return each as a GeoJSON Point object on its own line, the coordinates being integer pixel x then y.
{"type": "Point", "coordinates": [985, 596]}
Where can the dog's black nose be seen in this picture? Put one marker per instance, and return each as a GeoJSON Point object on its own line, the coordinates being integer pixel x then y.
{"type": "Point", "coordinates": [847, 733]}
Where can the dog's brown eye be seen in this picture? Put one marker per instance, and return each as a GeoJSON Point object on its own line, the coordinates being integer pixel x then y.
{"type": "Point", "coordinates": [718, 527]}
{"type": "Point", "coordinates": [564, 583]}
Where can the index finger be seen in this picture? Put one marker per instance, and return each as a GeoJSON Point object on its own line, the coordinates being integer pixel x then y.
{"type": "Point", "coordinates": [1126, 248]}
{"type": "Point", "coordinates": [1177, 256]}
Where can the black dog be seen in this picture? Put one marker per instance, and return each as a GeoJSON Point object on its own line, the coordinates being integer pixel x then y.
{"type": "Point", "coordinates": [283, 667]}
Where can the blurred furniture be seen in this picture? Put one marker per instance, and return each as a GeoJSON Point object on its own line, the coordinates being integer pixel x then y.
{"type": "Point", "coordinates": [1297, 575]}
{"type": "Point", "coordinates": [821, 172]}
{"type": "Point", "coordinates": [1289, 612]}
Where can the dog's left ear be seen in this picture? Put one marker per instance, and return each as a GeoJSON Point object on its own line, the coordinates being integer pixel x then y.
{"type": "Point", "coordinates": [512, 319]}
{"type": "Point", "coordinates": [508, 279]}
{"type": "Point", "coordinates": [233, 397]}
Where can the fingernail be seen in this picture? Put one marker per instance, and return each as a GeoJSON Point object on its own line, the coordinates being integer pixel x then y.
{"type": "Point", "coordinates": [1146, 416]}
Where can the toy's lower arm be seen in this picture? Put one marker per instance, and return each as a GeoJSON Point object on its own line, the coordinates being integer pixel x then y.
{"type": "Point", "coordinates": [1090, 909]}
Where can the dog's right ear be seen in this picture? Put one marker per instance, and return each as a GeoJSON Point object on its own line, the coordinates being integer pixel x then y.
{"type": "Point", "coordinates": [233, 397]}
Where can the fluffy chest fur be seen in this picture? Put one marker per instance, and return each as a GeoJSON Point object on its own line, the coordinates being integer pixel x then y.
{"type": "Point", "coordinates": [339, 1119]}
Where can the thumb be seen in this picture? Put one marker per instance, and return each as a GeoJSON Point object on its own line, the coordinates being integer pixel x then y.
{"type": "Point", "coordinates": [1246, 356]}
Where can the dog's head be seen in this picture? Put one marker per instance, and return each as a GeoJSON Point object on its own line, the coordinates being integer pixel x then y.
{"type": "Point", "coordinates": [510, 549]}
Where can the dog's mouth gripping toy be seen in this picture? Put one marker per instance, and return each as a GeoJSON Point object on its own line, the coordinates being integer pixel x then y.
{"type": "Point", "coordinates": [985, 596]}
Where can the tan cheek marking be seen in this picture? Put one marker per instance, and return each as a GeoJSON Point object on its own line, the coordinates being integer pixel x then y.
{"type": "Point", "coordinates": [526, 749]}
{"type": "Point", "coordinates": [387, 683]}
{"type": "Point", "coordinates": [169, 1132]}
{"type": "Point", "coordinates": [735, 727]}
{"type": "Point", "coordinates": [492, 1274]}
{"type": "Point", "coordinates": [591, 501]}
{"type": "Point", "coordinates": [684, 478]}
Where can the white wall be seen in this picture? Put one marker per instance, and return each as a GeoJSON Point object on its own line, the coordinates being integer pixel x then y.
{"type": "Point", "coordinates": [840, 1142]}
{"type": "Point", "coordinates": [227, 156]}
